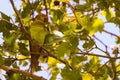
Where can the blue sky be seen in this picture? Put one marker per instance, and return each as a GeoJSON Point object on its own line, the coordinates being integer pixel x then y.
{"type": "Point", "coordinates": [6, 7]}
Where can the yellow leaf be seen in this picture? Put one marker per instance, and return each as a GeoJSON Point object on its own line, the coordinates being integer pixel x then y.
{"type": "Point", "coordinates": [108, 13]}
{"type": "Point", "coordinates": [52, 61]}
{"type": "Point", "coordinates": [87, 76]}
{"type": "Point", "coordinates": [21, 57]}
{"type": "Point", "coordinates": [97, 25]}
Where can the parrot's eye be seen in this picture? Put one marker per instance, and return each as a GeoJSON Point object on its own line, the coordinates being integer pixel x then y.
{"type": "Point", "coordinates": [56, 3]}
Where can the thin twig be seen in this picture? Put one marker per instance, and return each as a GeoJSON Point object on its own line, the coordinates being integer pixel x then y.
{"type": "Point", "coordinates": [73, 10]}
{"type": "Point", "coordinates": [1, 19]}
{"type": "Point", "coordinates": [46, 9]}
{"type": "Point", "coordinates": [111, 33]}
{"type": "Point", "coordinates": [32, 10]}
{"type": "Point", "coordinates": [103, 51]}
{"type": "Point", "coordinates": [102, 66]}
{"type": "Point", "coordinates": [19, 18]}
{"type": "Point", "coordinates": [106, 47]}
{"type": "Point", "coordinates": [108, 57]}
{"type": "Point", "coordinates": [99, 40]}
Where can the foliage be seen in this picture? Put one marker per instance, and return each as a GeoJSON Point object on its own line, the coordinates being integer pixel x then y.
{"type": "Point", "coordinates": [61, 34]}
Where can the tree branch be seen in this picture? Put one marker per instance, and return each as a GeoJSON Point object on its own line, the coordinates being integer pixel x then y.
{"type": "Point", "coordinates": [46, 9]}
{"type": "Point", "coordinates": [63, 61]}
{"type": "Point", "coordinates": [111, 33]}
{"type": "Point", "coordinates": [102, 66]}
{"type": "Point", "coordinates": [20, 21]}
{"type": "Point", "coordinates": [83, 53]}
{"type": "Point", "coordinates": [32, 10]}
{"type": "Point", "coordinates": [106, 47]}
{"type": "Point", "coordinates": [15, 70]}
{"type": "Point", "coordinates": [113, 61]}
{"type": "Point", "coordinates": [73, 10]}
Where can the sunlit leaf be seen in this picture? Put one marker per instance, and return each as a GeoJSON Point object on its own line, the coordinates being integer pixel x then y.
{"type": "Point", "coordinates": [52, 62]}
{"type": "Point", "coordinates": [87, 76]}
{"type": "Point", "coordinates": [97, 25]}
{"type": "Point", "coordinates": [94, 60]}
{"type": "Point", "coordinates": [108, 14]}
{"type": "Point", "coordinates": [21, 57]}
{"type": "Point", "coordinates": [118, 40]}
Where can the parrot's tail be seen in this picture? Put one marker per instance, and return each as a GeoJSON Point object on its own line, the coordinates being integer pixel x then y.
{"type": "Point", "coordinates": [34, 62]}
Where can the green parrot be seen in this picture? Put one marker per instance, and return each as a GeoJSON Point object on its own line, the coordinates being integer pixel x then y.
{"type": "Point", "coordinates": [38, 32]}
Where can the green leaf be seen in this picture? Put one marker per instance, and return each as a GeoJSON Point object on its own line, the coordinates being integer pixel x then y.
{"type": "Point", "coordinates": [109, 70]}
{"type": "Point", "coordinates": [68, 28]}
{"type": "Point", "coordinates": [93, 65]}
{"type": "Point", "coordinates": [77, 1]}
{"type": "Point", "coordinates": [76, 61]}
{"type": "Point", "coordinates": [63, 48]}
{"type": "Point", "coordinates": [118, 40]}
{"type": "Point", "coordinates": [68, 74]}
{"type": "Point", "coordinates": [35, 4]}
{"type": "Point", "coordinates": [57, 15]}
{"type": "Point", "coordinates": [5, 28]}
{"type": "Point", "coordinates": [54, 73]}
{"type": "Point", "coordinates": [49, 1]}
{"type": "Point", "coordinates": [115, 20]}
{"type": "Point", "coordinates": [108, 14]}
{"type": "Point", "coordinates": [95, 62]}
{"type": "Point", "coordinates": [8, 62]}
{"type": "Point", "coordinates": [103, 4]}
{"type": "Point", "coordinates": [85, 21]}
{"type": "Point", "coordinates": [14, 76]}
{"type": "Point", "coordinates": [82, 8]}
{"type": "Point", "coordinates": [25, 63]}
{"type": "Point", "coordinates": [88, 44]}
{"type": "Point", "coordinates": [118, 67]}
{"type": "Point", "coordinates": [1, 60]}
{"type": "Point", "coordinates": [97, 25]}
{"type": "Point", "coordinates": [23, 49]}
{"type": "Point", "coordinates": [26, 9]}
{"type": "Point", "coordinates": [74, 43]}
{"type": "Point", "coordinates": [10, 42]}
{"type": "Point", "coordinates": [4, 16]}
